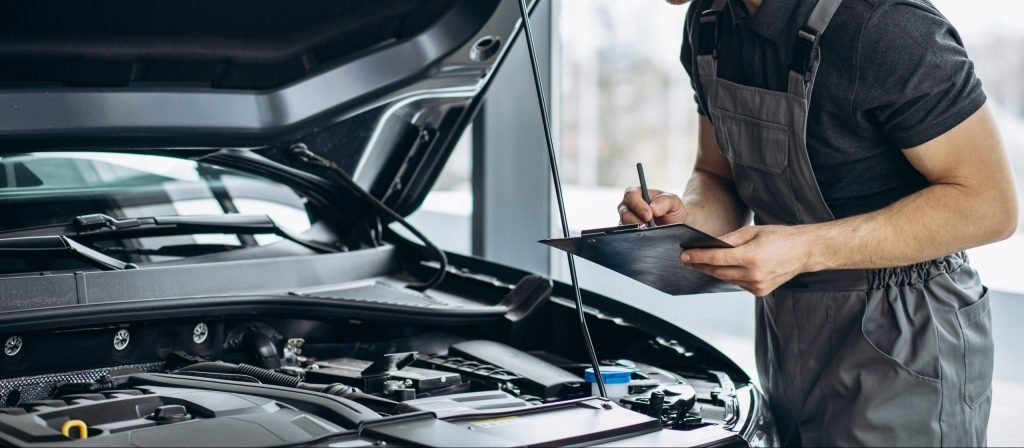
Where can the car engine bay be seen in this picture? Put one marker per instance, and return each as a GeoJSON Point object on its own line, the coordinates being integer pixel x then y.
{"type": "Point", "coordinates": [268, 380]}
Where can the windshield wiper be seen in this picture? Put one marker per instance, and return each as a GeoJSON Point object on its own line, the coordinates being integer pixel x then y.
{"type": "Point", "coordinates": [100, 226]}
{"type": "Point", "coordinates": [32, 246]}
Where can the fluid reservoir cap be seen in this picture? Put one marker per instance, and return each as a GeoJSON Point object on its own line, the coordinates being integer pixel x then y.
{"type": "Point", "coordinates": [680, 389]}
{"type": "Point", "coordinates": [170, 413]}
{"type": "Point", "coordinates": [610, 374]}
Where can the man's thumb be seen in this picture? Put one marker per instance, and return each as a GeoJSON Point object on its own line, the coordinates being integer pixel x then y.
{"type": "Point", "coordinates": [741, 236]}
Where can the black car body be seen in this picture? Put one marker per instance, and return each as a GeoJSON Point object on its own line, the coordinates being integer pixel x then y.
{"type": "Point", "coordinates": [141, 304]}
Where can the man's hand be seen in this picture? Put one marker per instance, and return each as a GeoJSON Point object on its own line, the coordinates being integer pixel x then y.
{"type": "Point", "coordinates": [764, 258]}
{"type": "Point", "coordinates": [665, 208]}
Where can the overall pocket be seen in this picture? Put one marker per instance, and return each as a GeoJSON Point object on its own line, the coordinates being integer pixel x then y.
{"type": "Point", "coordinates": [897, 323]}
{"type": "Point", "coordinates": [979, 350]}
{"type": "Point", "coordinates": [758, 153]}
{"type": "Point", "coordinates": [753, 143]}
{"type": "Point", "coordinates": [880, 394]}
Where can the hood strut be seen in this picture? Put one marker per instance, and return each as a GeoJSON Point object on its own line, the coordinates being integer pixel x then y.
{"type": "Point", "coordinates": [558, 194]}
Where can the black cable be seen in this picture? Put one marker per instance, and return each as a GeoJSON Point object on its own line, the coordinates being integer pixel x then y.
{"type": "Point", "coordinates": [538, 83]}
{"type": "Point", "coordinates": [303, 153]}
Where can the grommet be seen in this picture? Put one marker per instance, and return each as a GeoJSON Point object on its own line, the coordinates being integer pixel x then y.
{"type": "Point", "coordinates": [200, 332]}
{"type": "Point", "coordinates": [12, 346]}
{"type": "Point", "coordinates": [121, 339]}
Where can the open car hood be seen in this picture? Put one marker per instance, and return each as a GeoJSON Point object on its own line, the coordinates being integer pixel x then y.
{"type": "Point", "coordinates": [383, 88]}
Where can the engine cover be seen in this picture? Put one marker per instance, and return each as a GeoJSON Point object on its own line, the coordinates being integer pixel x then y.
{"type": "Point", "coordinates": [161, 416]}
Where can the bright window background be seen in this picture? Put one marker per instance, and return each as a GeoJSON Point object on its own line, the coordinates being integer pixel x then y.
{"type": "Point", "coordinates": [621, 97]}
{"type": "Point", "coordinates": [446, 214]}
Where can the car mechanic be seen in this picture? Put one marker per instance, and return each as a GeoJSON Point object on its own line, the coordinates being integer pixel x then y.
{"type": "Point", "coordinates": [872, 326]}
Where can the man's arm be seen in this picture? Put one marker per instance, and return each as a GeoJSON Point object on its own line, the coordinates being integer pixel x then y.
{"type": "Point", "coordinates": [710, 202]}
{"type": "Point", "coordinates": [971, 202]}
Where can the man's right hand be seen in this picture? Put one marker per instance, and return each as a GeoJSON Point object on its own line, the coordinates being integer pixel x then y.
{"type": "Point", "coordinates": [665, 208]}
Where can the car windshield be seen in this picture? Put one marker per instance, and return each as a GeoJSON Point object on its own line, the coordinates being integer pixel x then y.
{"type": "Point", "coordinates": [46, 188]}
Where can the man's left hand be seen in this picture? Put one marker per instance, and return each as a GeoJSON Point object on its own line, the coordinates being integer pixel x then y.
{"type": "Point", "coordinates": [764, 257]}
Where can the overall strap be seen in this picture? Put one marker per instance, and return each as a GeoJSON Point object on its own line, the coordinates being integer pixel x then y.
{"type": "Point", "coordinates": [704, 43]}
{"type": "Point", "coordinates": [708, 28]}
{"type": "Point", "coordinates": [807, 54]}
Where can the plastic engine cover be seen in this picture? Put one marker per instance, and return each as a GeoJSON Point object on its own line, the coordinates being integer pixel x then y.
{"type": "Point", "coordinates": [158, 416]}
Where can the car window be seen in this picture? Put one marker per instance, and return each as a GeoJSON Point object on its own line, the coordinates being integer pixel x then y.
{"type": "Point", "coordinates": [39, 189]}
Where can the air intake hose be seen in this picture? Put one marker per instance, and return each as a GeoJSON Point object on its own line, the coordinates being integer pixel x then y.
{"type": "Point", "coordinates": [266, 376]}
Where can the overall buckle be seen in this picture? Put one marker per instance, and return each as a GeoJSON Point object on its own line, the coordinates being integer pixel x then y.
{"type": "Point", "coordinates": [707, 32]}
{"type": "Point", "coordinates": [803, 54]}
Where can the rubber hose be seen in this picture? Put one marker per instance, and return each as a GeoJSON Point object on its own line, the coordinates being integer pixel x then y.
{"type": "Point", "coordinates": [279, 379]}
{"type": "Point", "coordinates": [268, 376]}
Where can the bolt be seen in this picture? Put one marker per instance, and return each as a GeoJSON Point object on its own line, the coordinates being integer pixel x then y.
{"type": "Point", "coordinates": [200, 332]}
{"type": "Point", "coordinates": [12, 346]}
{"type": "Point", "coordinates": [121, 339]}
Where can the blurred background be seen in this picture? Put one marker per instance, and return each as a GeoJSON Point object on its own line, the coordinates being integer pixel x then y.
{"type": "Point", "coordinates": [619, 96]}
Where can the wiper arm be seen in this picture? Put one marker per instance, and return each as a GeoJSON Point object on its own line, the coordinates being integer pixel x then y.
{"type": "Point", "coordinates": [42, 245]}
{"type": "Point", "coordinates": [100, 225]}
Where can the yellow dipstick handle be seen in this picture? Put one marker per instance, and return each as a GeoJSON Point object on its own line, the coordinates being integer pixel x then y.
{"type": "Point", "coordinates": [83, 429]}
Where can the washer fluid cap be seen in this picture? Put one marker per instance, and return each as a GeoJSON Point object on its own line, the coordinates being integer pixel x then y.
{"type": "Point", "coordinates": [611, 374]}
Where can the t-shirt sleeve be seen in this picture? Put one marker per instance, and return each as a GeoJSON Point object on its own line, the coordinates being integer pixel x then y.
{"type": "Point", "coordinates": [686, 53]}
{"type": "Point", "coordinates": [914, 81]}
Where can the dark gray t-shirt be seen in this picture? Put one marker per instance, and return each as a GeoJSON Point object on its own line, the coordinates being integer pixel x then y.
{"type": "Point", "coordinates": [894, 75]}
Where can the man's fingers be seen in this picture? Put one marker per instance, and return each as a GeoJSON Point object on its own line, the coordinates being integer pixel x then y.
{"type": "Point", "coordinates": [628, 217]}
{"type": "Point", "coordinates": [732, 274]}
{"type": "Point", "coordinates": [668, 207]}
{"type": "Point", "coordinates": [634, 201]}
{"type": "Point", "coordinates": [714, 257]}
{"type": "Point", "coordinates": [727, 273]}
{"type": "Point", "coordinates": [736, 275]}
{"type": "Point", "coordinates": [741, 236]}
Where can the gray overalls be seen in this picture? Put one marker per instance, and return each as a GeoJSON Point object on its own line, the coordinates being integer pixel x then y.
{"type": "Point", "coordinates": [887, 357]}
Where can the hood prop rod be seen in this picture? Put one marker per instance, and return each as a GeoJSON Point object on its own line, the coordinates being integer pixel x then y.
{"type": "Point", "coordinates": [552, 158]}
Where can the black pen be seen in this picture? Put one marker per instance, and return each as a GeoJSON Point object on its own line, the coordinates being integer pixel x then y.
{"type": "Point", "coordinates": [643, 191]}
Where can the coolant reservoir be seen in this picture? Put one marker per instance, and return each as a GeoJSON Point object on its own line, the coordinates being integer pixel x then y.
{"type": "Point", "coordinates": [616, 381]}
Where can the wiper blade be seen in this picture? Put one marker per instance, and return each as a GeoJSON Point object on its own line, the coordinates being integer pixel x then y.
{"type": "Point", "coordinates": [45, 245]}
{"type": "Point", "coordinates": [175, 250]}
{"type": "Point", "coordinates": [103, 226]}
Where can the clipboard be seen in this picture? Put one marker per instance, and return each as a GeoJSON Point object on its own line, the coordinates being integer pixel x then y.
{"type": "Point", "coordinates": [648, 255]}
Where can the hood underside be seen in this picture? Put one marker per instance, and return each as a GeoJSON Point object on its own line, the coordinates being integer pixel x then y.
{"type": "Point", "coordinates": [383, 88]}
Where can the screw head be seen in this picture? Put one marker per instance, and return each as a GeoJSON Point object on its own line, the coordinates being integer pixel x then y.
{"type": "Point", "coordinates": [121, 339]}
{"type": "Point", "coordinates": [200, 332]}
{"type": "Point", "coordinates": [12, 346]}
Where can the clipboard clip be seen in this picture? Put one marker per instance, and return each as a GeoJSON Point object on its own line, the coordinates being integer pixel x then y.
{"type": "Point", "coordinates": [613, 230]}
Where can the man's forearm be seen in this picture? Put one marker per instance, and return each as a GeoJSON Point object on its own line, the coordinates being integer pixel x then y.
{"type": "Point", "coordinates": [932, 223]}
{"type": "Point", "coordinates": [713, 205]}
